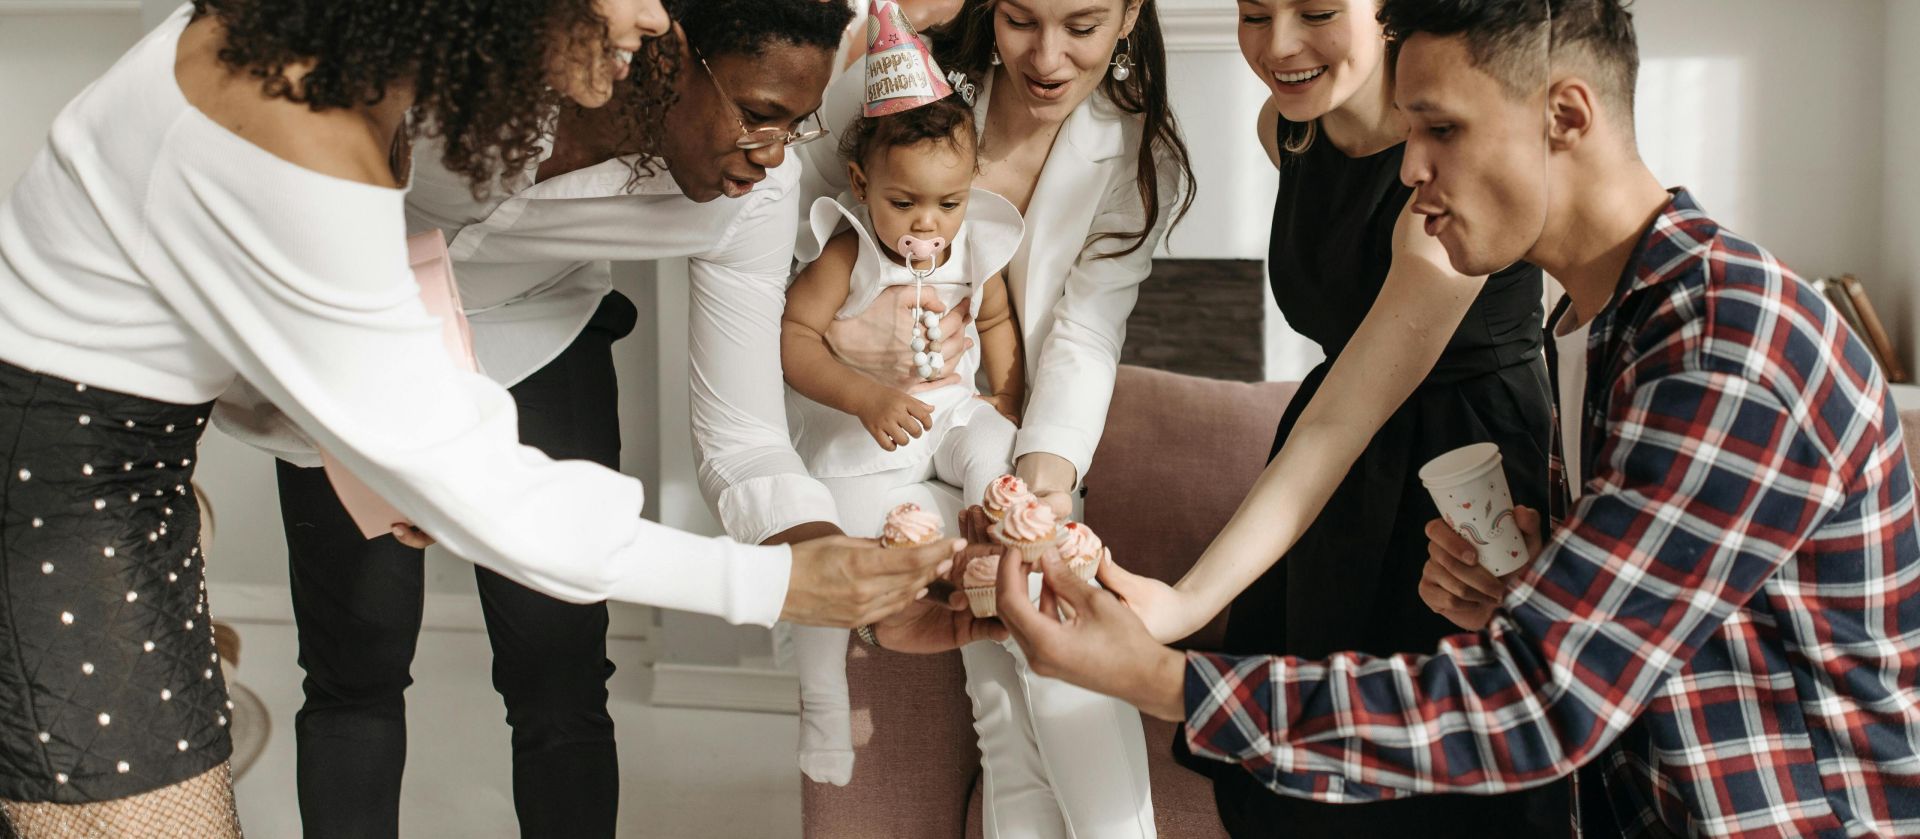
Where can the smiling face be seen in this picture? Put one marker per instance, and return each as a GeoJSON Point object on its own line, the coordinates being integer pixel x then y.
{"type": "Point", "coordinates": [1313, 54]}
{"type": "Point", "coordinates": [779, 88]}
{"type": "Point", "coordinates": [585, 71]}
{"type": "Point", "coordinates": [1475, 156]}
{"type": "Point", "coordinates": [1054, 53]}
{"type": "Point", "coordinates": [918, 190]}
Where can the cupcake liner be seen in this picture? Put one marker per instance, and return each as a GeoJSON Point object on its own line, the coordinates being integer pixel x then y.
{"type": "Point", "coordinates": [983, 601]}
{"type": "Point", "coordinates": [889, 543]}
{"type": "Point", "coordinates": [1085, 567]}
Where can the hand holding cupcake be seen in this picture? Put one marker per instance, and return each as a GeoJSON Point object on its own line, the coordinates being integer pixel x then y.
{"type": "Point", "coordinates": [1005, 493]}
{"type": "Point", "coordinates": [979, 581]}
{"type": "Point", "coordinates": [1030, 526]}
{"type": "Point", "coordinates": [1082, 550]}
{"type": "Point", "coordinates": [910, 526]}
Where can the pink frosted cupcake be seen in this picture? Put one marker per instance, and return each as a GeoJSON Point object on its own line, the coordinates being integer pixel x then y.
{"type": "Point", "coordinates": [1029, 526]}
{"type": "Point", "coordinates": [1082, 550]}
{"type": "Point", "coordinates": [909, 526]}
{"type": "Point", "coordinates": [979, 581]}
{"type": "Point", "coordinates": [1005, 493]}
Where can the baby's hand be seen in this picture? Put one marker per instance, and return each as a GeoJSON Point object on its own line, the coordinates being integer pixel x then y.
{"type": "Point", "coordinates": [894, 418]}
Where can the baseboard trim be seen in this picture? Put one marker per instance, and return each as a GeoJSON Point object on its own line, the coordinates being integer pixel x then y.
{"type": "Point", "coordinates": [442, 611]}
{"type": "Point", "coordinates": [725, 688]}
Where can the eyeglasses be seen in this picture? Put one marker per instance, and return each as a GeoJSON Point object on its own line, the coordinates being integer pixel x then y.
{"type": "Point", "coordinates": [760, 138]}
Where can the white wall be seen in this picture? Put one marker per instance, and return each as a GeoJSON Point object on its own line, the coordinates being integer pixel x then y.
{"type": "Point", "coordinates": [1771, 112]}
{"type": "Point", "coordinates": [1900, 228]}
{"type": "Point", "coordinates": [45, 60]}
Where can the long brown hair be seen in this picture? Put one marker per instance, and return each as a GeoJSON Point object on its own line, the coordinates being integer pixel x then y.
{"type": "Point", "coordinates": [966, 44]}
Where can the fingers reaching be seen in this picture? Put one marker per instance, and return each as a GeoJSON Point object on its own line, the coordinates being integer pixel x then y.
{"type": "Point", "coordinates": [1529, 521]}
{"type": "Point", "coordinates": [1074, 593]}
{"type": "Point", "coordinates": [1010, 599]}
{"type": "Point", "coordinates": [974, 523]}
{"type": "Point", "coordinates": [1443, 536]}
{"type": "Point", "coordinates": [412, 537]}
{"type": "Point", "coordinates": [1118, 580]}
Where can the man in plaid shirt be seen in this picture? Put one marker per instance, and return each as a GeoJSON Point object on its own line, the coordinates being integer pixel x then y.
{"type": "Point", "coordinates": [1723, 636]}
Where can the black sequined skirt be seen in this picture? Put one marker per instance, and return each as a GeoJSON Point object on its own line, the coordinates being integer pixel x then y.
{"type": "Point", "coordinates": [109, 683]}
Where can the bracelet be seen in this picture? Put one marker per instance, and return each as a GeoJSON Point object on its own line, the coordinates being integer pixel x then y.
{"type": "Point", "coordinates": [865, 631]}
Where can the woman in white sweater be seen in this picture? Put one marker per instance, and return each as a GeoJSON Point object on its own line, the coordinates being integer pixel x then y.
{"type": "Point", "coordinates": [223, 205]}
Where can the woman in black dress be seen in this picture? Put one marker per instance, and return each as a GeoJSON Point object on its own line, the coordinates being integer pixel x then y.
{"type": "Point", "coordinates": [1420, 360]}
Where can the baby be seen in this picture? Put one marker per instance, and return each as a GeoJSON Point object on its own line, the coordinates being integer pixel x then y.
{"type": "Point", "coordinates": [917, 222]}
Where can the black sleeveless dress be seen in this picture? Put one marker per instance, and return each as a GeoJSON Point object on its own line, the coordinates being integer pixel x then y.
{"type": "Point", "coordinates": [1352, 580]}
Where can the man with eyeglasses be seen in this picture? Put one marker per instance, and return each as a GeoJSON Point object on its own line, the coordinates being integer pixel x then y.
{"type": "Point", "coordinates": [533, 263]}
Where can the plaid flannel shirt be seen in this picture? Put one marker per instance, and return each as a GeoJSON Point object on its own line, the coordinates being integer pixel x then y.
{"type": "Point", "coordinates": [1726, 628]}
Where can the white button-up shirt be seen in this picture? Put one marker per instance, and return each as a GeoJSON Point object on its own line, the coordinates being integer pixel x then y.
{"type": "Point", "coordinates": [532, 261]}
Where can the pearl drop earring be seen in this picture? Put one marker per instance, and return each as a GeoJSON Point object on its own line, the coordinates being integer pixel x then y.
{"type": "Point", "coordinates": [994, 58]}
{"type": "Point", "coordinates": [1122, 66]}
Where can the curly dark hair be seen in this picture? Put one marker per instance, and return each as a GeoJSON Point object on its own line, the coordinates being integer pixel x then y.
{"type": "Point", "coordinates": [966, 44]}
{"type": "Point", "coordinates": [478, 68]}
{"type": "Point", "coordinates": [946, 121]}
{"type": "Point", "coordinates": [745, 27]}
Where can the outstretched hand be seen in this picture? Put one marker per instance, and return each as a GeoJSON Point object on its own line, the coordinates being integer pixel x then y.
{"type": "Point", "coordinates": [846, 582]}
{"type": "Point", "coordinates": [1086, 636]}
{"type": "Point", "coordinates": [931, 625]}
{"type": "Point", "coordinates": [1168, 613]}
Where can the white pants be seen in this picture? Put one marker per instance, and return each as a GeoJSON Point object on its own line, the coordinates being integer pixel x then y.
{"type": "Point", "coordinates": [970, 452]}
{"type": "Point", "coordinates": [1058, 760]}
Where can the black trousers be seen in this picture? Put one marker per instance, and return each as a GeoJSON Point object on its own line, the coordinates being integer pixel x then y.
{"type": "Point", "coordinates": [357, 605]}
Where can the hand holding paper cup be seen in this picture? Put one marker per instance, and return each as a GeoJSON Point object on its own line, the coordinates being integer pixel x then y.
{"type": "Point", "coordinates": [1470, 489]}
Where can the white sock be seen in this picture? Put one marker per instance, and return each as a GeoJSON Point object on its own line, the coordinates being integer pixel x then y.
{"type": "Point", "coordinates": [826, 727]}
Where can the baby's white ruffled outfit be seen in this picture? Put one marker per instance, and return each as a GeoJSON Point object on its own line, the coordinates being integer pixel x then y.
{"type": "Point", "coordinates": [1058, 760]}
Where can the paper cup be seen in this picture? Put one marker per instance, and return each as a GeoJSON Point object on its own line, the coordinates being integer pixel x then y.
{"type": "Point", "coordinates": [1470, 489]}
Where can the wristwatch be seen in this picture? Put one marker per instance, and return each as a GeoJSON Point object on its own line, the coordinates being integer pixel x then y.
{"type": "Point", "coordinates": [865, 631]}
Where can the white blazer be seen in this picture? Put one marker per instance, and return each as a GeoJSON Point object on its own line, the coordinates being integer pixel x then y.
{"type": "Point", "coordinates": [1072, 306]}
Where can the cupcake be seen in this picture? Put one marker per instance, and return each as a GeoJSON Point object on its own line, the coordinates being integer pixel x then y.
{"type": "Point", "coordinates": [1029, 526]}
{"type": "Point", "coordinates": [1082, 550]}
{"type": "Point", "coordinates": [1004, 494]}
{"type": "Point", "coordinates": [979, 581]}
{"type": "Point", "coordinates": [909, 526]}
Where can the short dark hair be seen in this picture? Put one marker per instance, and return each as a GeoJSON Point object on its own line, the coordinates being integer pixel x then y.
{"type": "Point", "coordinates": [1503, 38]}
{"type": "Point", "coordinates": [745, 27]}
{"type": "Point", "coordinates": [946, 121]}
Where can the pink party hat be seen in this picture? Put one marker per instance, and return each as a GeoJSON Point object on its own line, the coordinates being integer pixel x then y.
{"type": "Point", "coordinates": [901, 73]}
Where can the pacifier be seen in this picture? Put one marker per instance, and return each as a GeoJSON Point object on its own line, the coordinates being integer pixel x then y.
{"type": "Point", "coordinates": [927, 360]}
{"type": "Point", "coordinates": [916, 249]}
